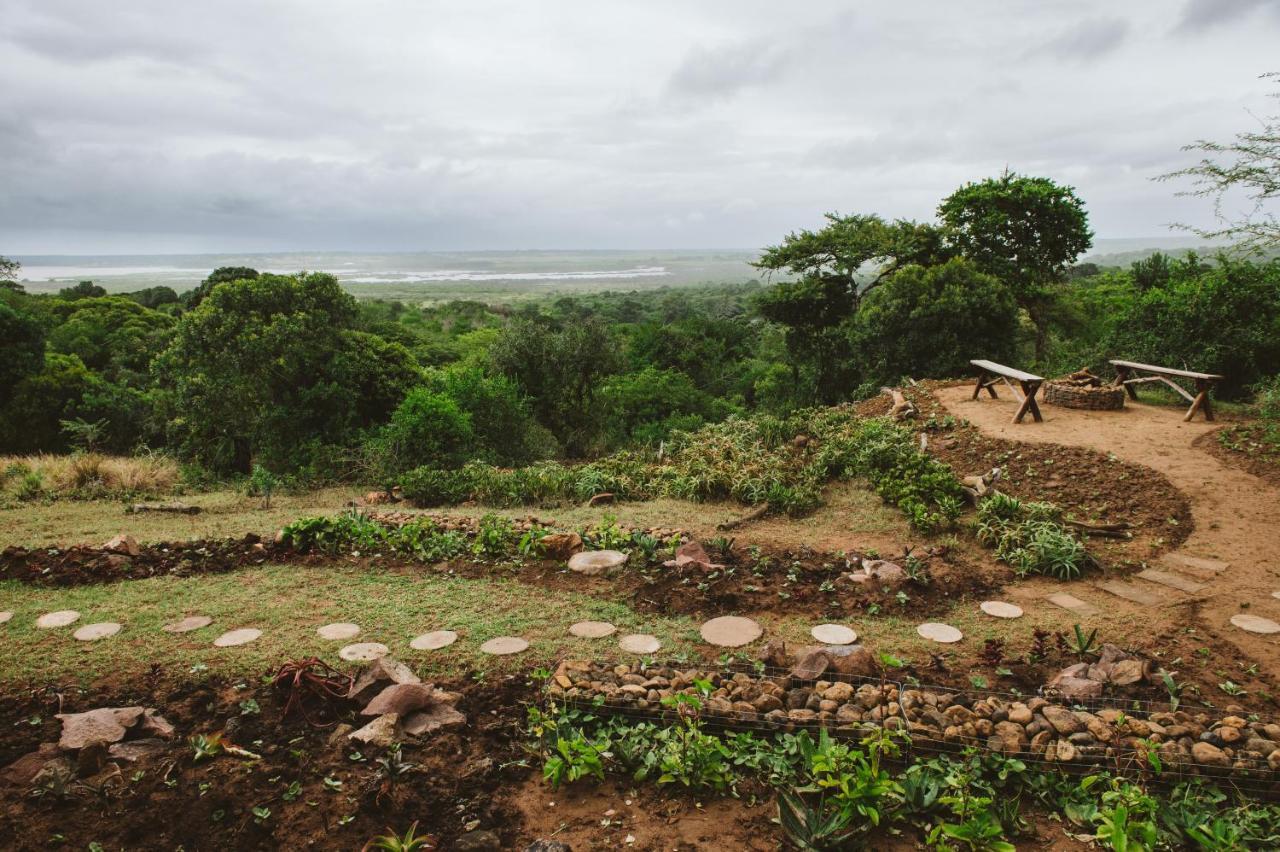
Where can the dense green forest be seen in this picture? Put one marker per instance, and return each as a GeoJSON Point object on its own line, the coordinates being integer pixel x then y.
{"type": "Point", "coordinates": [293, 374]}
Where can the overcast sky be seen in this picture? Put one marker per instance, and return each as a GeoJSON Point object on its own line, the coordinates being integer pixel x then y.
{"type": "Point", "coordinates": [253, 125]}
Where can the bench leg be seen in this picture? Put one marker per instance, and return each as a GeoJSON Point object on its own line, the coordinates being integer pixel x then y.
{"type": "Point", "coordinates": [1029, 391]}
{"type": "Point", "coordinates": [1122, 376]}
{"type": "Point", "coordinates": [1200, 403]}
{"type": "Point", "coordinates": [985, 380]}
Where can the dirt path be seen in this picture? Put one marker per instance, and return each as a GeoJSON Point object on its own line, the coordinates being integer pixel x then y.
{"type": "Point", "coordinates": [1236, 516]}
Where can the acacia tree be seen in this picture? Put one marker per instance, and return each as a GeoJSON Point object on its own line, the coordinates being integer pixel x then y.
{"type": "Point", "coordinates": [1026, 231]}
{"type": "Point", "coordinates": [836, 266]}
{"type": "Point", "coordinates": [1251, 165]}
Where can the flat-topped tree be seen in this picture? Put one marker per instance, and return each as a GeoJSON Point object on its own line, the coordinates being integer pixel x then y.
{"type": "Point", "coordinates": [1249, 166]}
{"type": "Point", "coordinates": [1026, 231]}
{"type": "Point", "coordinates": [835, 267]}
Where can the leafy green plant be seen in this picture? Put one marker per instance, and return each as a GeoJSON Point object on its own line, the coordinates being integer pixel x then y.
{"type": "Point", "coordinates": [410, 841]}
{"type": "Point", "coordinates": [574, 758]}
{"type": "Point", "coordinates": [1029, 537]}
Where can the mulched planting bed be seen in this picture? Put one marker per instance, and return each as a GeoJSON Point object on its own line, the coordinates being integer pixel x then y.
{"type": "Point", "coordinates": [1248, 450]}
{"type": "Point", "coordinates": [165, 801]}
{"type": "Point", "coordinates": [747, 580]}
{"type": "Point", "coordinates": [1088, 485]}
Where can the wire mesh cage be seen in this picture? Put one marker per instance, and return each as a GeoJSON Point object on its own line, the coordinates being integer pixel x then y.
{"type": "Point", "coordinates": [1125, 736]}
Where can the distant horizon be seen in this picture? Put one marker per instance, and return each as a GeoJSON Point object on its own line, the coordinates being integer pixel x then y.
{"type": "Point", "coordinates": [21, 257]}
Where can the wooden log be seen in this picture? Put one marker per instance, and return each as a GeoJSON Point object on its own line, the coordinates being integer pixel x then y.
{"type": "Point", "coordinates": [1029, 390]}
{"type": "Point", "coordinates": [754, 515]}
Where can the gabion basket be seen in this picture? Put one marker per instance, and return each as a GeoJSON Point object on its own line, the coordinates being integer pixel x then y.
{"type": "Point", "coordinates": [1105, 398]}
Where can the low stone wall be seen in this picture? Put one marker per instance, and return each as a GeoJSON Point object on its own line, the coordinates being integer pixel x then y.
{"type": "Point", "coordinates": [1033, 728]}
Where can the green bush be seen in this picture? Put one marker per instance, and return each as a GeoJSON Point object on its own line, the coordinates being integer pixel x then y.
{"type": "Point", "coordinates": [1029, 537]}
{"type": "Point", "coordinates": [427, 429]}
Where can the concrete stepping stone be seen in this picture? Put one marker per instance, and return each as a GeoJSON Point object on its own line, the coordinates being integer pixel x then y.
{"type": "Point", "coordinates": [938, 632]}
{"type": "Point", "coordinates": [242, 636]}
{"type": "Point", "coordinates": [433, 641]}
{"type": "Point", "coordinates": [1072, 603]}
{"type": "Point", "coordinates": [592, 563]}
{"type": "Point", "coordinates": [593, 629]}
{"type": "Point", "coordinates": [94, 632]}
{"type": "Point", "coordinates": [186, 625]}
{"type": "Point", "coordinates": [834, 634]}
{"type": "Point", "coordinates": [5, 616]}
{"type": "Point", "coordinates": [731, 631]}
{"type": "Point", "coordinates": [1196, 566]}
{"type": "Point", "coordinates": [1273, 594]}
{"type": "Point", "coordinates": [363, 652]}
{"type": "Point", "coordinates": [1173, 581]}
{"type": "Point", "coordinates": [1131, 593]}
{"type": "Point", "coordinates": [1254, 623]}
{"type": "Point", "coordinates": [639, 643]}
{"type": "Point", "coordinates": [1001, 609]}
{"type": "Point", "coordinates": [503, 645]}
{"type": "Point", "coordinates": [340, 630]}
{"type": "Point", "coordinates": [61, 618]}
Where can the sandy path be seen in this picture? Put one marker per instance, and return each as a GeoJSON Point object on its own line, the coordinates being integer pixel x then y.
{"type": "Point", "coordinates": [1236, 515]}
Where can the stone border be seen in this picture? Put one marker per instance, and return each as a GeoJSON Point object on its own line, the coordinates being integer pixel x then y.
{"type": "Point", "coordinates": [1033, 728]}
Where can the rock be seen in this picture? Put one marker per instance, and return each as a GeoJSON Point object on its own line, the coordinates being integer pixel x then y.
{"type": "Point", "coordinates": [104, 725]}
{"type": "Point", "coordinates": [561, 546]}
{"type": "Point", "coordinates": [774, 653]}
{"type": "Point", "coordinates": [1020, 713]}
{"type": "Point", "coordinates": [480, 840]}
{"type": "Point", "coordinates": [381, 732]}
{"type": "Point", "coordinates": [852, 660]}
{"type": "Point", "coordinates": [401, 699]}
{"type": "Point", "coordinates": [339, 735]}
{"type": "Point", "coordinates": [22, 771]}
{"type": "Point", "coordinates": [1065, 752]}
{"type": "Point", "coordinates": [1207, 754]}
{"type": "Point", "coordinates": [593, 563]}
{"type": "Point", "coordinates": [435, 718]}
{"type": "Point", "coordinates": [156, 725]}
{"type": "Point", "coordinates": [380, 672]}
{"type": "Point", "coordinates": [1126, 672]}
{"type": "Point", "coordinates": [136, 750]}
{"type": "Point", "coordinates": [1062, 719]}
{"type": "Point", "coordinates": [838, 692]}
{"type": "Point", "coordinates": [802, 716]}
{"type": "Point", "coordinates": [1010, 736]}
{"type": "Point", "coordinates": [1077, 688]}
{"type": "Point", "coordinates": [125, 544]}
{"type": "Point", "coordinates": [1273, 760]}
{"type": "Point", "coordinates": [541, 845]}
{"type": "Point", "coordinates": [91, 759]}
{"type": "Point", "coordinates": [767, 702]}
{"type": "Point", "coordinates": [692, 553]}
{"type": "Point", "coordinates": [811, 665]}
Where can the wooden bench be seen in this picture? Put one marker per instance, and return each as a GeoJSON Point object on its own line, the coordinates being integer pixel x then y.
{"type": "Point", "coordinates": [989, 372]}
{"type": "Point", "coordinates": [1125, 375]}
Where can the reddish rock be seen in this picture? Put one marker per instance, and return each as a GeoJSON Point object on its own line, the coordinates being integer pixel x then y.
{"type": "Point", "coordinates": [125, 544]}
{"type": "Point", "coordinates": [561, 546]}
{"type": "Point", "coordinates": [104, 725]}
{"type": "Point", "coordinates": [434, 718]}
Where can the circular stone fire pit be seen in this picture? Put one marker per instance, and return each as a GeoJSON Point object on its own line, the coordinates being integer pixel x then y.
{"type": "Point", "coordinates": [1104, 398]}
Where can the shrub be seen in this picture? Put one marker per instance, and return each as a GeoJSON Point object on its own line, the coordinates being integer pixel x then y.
{"type": "Point", "coordinates": [1029, 537]}
{"type": "Point", "coordinates": [427, 429]}
{"type": "Point", "coordinates": [94, 474]}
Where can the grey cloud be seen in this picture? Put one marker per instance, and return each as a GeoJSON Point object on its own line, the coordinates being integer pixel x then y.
{"type": "Point", "coordinates": [1089, 39]}
{"type": "Point", "coordinates": [490, 124]}
{"type": "Point", "coordinates": [719, 72]}
{"type": "Point", "coordinates": [1201, 15]}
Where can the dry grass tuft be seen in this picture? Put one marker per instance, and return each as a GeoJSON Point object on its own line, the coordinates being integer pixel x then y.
{"type": "Point", "coordinates": [87, 474]}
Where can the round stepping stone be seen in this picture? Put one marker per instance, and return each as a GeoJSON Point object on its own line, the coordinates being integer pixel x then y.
{"type": "Point", "coordinates": [341, 630]}
{"type": "Point", "coordinates": [1254, 623]}
{"type": "Point", "coordinates": [61, 618]}
{"type": "Point", "coordinates": [93, 632]}
{"type": "Point", "coordinates": [1001, 609]}
{"type": "Point", "coordinates": [5, 616]}
{"type": "Point", "coordinates": [503, 645]}
{"type": "Point", "coordinates": [433, 641]}
{"type": "Point", "coordinates": [186, 625]}
{"type": "Point", "coordinates": [364, 652]}
{"type": "Point", "coordinates": [834, 634]}
{"type": "Point", "coordinates": [940, 632]}
{"type": "Point", "coordinates": [731, 631]}
{"type": "Point", "coordinates": [639, 643]}
{"type": "Point", "coordinates": [593, 629]}
{"type": "Point", "coordinates": [231, 638]}
{"type": "Point", "coordinates": [594, 562]}
{"type": "Point", "coordinates": [1275, 594]}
